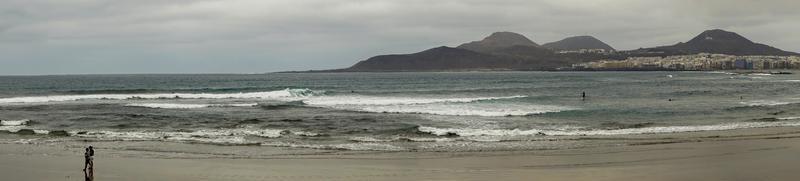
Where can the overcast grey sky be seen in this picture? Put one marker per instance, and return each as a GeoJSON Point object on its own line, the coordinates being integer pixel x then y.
{"type": "Point", "coordinates": [256, 36]}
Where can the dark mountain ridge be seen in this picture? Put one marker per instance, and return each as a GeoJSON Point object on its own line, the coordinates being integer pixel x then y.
{"type": "Point", "coordinates": [497, 41]}
{"type": "Point", "coordinates": [512, 51]}
{"type": "Point", "coordinates": [440, 58]}
{"type": "Point", "coordinates": [723, 42]}
{"type": "Point", "coordinates": [578, 43]}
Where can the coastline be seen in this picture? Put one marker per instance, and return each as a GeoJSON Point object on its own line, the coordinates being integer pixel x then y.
{"type": "Point", "coordinates": [741, 71]}
{"type": "Point", "coordinates": [743, 154]}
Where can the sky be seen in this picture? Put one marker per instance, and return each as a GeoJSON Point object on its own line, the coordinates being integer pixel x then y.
{"type": "Point", "coordinates": [44, 37]}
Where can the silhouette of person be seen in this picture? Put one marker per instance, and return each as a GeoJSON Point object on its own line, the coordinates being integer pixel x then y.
{"type": "Point", "coordinates": [88, 167]}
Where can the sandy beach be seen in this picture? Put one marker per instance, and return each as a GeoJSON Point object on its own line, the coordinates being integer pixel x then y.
{"type": "Point", "coordinates": [749, 154]}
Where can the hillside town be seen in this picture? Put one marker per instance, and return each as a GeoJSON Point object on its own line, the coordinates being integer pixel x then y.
{"type": "Point", "coordinates": [580, 51]}
{"type": "Point", "coordinates": [702, 61]}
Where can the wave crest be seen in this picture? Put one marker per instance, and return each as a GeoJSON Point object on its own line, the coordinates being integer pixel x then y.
{"type": "Point", "coordinates": [382, 101]}
{"type": "Point", "coordinates": [468, 132]}
{"type": "Point", "coordinates": [280, 94]}
{"type": "Point", "coordinates": [213, 136]}
{"type": "Point", "coordinates": [344, 146]}
{"type": "Point", "coordinates": [14, 122]}
{"type": "Point", "coordinates": [437, 106]}
{"type": "Point", "coordinates": [187, 106]}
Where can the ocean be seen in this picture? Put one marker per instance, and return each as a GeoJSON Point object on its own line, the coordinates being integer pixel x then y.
{"type": "Point", "coordinates": [429, 111]}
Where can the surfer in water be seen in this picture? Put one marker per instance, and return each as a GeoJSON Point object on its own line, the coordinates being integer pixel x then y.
{"type": "Point", "coordinates": [583, 96]}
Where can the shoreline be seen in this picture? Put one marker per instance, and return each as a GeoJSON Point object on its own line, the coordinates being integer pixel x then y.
{"type": "Point", "coordinates": [778, 71]}
{"type": "Point", "coordinates": [404, 71]}
{"type": "Point", "coordinates": [714, 155]}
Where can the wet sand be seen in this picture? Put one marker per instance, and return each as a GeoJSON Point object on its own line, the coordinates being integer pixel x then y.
{"type": "Point", "coordinates": [756, 156]}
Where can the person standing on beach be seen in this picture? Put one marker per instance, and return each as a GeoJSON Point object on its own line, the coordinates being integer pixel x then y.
{"type": "Point", "coordinates": [88, 166]}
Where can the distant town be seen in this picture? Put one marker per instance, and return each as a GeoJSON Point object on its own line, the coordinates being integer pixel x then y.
{"type": "Point", "coordinates": [701, 61]}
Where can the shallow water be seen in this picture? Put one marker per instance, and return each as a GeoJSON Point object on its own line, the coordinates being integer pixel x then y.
{"type": "Point", "coordinates": [391, 111]}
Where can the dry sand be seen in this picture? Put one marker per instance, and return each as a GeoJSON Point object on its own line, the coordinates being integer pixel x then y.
{"type": "Point", "coordinates": [770, 157]}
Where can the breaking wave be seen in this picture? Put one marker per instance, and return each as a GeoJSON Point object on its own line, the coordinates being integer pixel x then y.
{"type": "Point", "coordinates": [437, 106]}
{"type": "Point", "coordinates": [344, 146]}
{"type": "Point", "coordinates": [187, 106]}
{"type": "Point", "coordinates": [467, 132]}
{"type": "Point", "coordinates": [366, 139]}
{"type": "Point", "coordinates": [214, 136]}
{"type": "Point", "coordinates": [19, 127]}
{"type": "Point", "coordinates": [14, 122]}
{"type": "Point", "coordinates": [453, 106]}
{"type": "Point", "coordinates": [280, 94]}
{"type": "Point", "coordinates": [789, 118]}
{"type": "Point", "coordinates": [378, 101]}
{"type": "Point", "coordinates": [156, 90]}
{"type": "Point", "coordinates": [768, 103]}
{"type": "Point", "coordinates": [461, 109]}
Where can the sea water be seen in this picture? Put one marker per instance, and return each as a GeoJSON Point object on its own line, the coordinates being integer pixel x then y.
{"type": "Point", "coordinates": [391, 111]}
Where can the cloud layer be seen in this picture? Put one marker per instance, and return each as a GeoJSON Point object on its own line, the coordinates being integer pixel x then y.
{"type": "Point", "coordinates": [254, 36]}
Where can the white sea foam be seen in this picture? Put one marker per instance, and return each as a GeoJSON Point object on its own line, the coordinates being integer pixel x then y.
{"type": "Point", "coordinates": [25, 141]}
{"type": "Point", "coordinates": [219, 136]}
{"type": "Point", "coordinates": [367, 139]}
{"type": "Point", "coordinates": [768, 103]}
{"type": "Point", "coordinates": [377, 101]}
{"type": "Point", "coordinates": [280, 94]}
{"type": "Point", "coordinates": [11, 128]}
{"type": "Point", "coordinates": [14, 122]}
{"type": "Point", "coordinates": [420, 105]}
{"type": "Point", "coordinates": [13, 125]}
{"type": "Point", "coordinates": [345, 146]}
{"type": "Point", "coordinates": [305, 133]}
{"type": "Point", "coordinates": [467, 132]}
{"type": "Point", "coordinates": [187, 106]}
{"type": "Point", "coordinates": [789, 118]}
{"type": "Point", "coordinates": [15, 129]}
{"type": "Point", "coordinates": [507, 109]}
{"type": "Point", "coordinates": [418, 139]}
{"type": "Point", "coordinates": [476, 132]}
{"type": "Point", "coordinates": [428, 105]}
{"type": "Point", "coordinates": [400, 139]}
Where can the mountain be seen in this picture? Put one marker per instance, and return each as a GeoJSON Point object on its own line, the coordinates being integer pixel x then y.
{"type": "Point", "coordinates": [498, 40]}
{"type": "Point", "coordinates": [512, 51]}
{"type": "Point", "coordinates": [578, 43]}
{"type": "Point", "coordinates": [498, 51]}
{"type": "Point", "coordinates": [723, 42]}
{"type": "Point", "coordinates": [510, 45]}
{"type": "Point", "coordinates": [440, 58]}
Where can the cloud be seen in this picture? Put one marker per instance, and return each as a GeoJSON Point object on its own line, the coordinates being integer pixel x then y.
{"type": "Point", "coordinates": [249, 36]}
